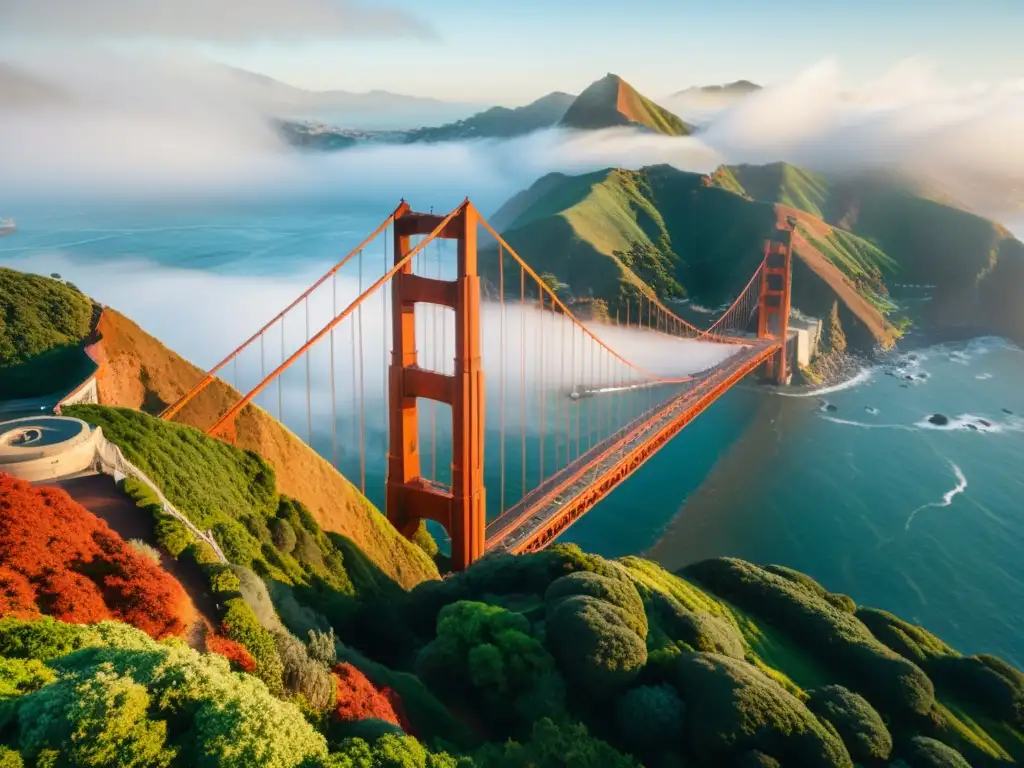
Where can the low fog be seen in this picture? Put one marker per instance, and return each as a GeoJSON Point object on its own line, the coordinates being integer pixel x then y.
{"type": "Point", "coordinates": [130, 127]}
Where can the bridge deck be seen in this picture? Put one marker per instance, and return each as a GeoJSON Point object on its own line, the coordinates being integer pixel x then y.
{"type": "Point", "coordinates": [555, 505]}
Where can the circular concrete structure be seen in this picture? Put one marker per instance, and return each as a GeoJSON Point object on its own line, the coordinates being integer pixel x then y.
{"type": "Point", "coordinates": [46, 447]}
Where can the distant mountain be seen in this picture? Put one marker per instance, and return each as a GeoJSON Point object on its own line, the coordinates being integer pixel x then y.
{"type": "Point", "coordinates": [373, 110]}
{"type": "Point", "coordinates": [738, 88]}
{"type": "Point", "coordinates": [612, 102]}
{"type": "Point", "coordinates": [501, 122]}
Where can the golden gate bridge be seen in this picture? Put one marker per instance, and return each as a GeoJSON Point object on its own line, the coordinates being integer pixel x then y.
{"type": "Point", "coordinates": [571, 409]}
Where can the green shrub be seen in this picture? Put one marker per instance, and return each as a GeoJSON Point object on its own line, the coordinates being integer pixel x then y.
{"type": "Point", "coordinates": [923, 752]}
{"type": "Point", "coordinates": [389, 750]}
{"type": "Point", "coordinates": [21, 676]}
{"type": "Point", "coordinates": [698, 631]}
{"type": "Point", "coordinates": [241, 625]}
{"type": "Point", "coordinates": [41, 639]}
{"type": "Point", "coordinates": [650, 718]}
{"type": "Point", "coordinates": [991, 684]}
{"type": "Point", "coordinates": [486, 655]}
{"type": "Point", "coordinates": [224, 581]}
{"type": "Point", "coordinates": [595, 646]}
{"type": "Point", "coordinates": [10, 758]}
{"type": "Point", "coordinates": [889, 681]}
{"type": "Point", "coordinates": [172, 535]}
{"type": "Point", "coordinates": [618, 592]}
{"type": "Point", "coordinates": [858, 724]}
{"type": "Point", "coordinates": [909, 641]}
{"type": "Point", "coordinates": [425, 541]}
{"type": "Point", "coordinates": [736, 708]}
{"type": "Point", "coordinates": [842, 602]}
{"type": "Point", "coordinates": [201, 553]}
{"type": "Point", "coordinates": [754, 759]}
{"type": "Point", "coordinates": [146, 550]}
{"type": "Point", "coordinates": [302, 675]}
{"type": "Point", "coordinates": [283, 535]}
{"type": "Point", "coordinates": [554, 746]}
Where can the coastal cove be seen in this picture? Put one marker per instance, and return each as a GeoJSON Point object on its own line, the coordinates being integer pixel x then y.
{"type": "Point", "coordinates": [762, 475]}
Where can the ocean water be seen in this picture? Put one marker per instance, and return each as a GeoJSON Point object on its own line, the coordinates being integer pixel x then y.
{"type": "Point", "coordinates": [852, 486]}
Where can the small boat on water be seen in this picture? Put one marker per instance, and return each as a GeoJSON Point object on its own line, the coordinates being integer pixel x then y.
{"type": "Point", "coordinates": [7, 227]}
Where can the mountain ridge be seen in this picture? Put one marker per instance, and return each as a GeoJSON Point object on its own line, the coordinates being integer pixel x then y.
{"type": "Point", "coordinates": [611, 102]}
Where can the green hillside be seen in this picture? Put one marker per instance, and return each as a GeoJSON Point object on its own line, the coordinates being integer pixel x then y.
{"type": "Point", "coordinates": [43, 326]}
{"type": "Point", "coordinates": [912, 233]}
{"type": "Point", "coordinates": [500, 122]}
{"type": "Point", "coordinates": [612, 102]}
{"type": "Point", "coordinates": [616, 234]}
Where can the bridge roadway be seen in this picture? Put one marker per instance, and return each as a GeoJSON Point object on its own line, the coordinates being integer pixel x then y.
{"type": "Point", "coordinates": [544, 513]}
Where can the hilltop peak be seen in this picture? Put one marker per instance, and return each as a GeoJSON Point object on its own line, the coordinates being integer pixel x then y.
{"type": "Point", "coordinates": [612, 102]}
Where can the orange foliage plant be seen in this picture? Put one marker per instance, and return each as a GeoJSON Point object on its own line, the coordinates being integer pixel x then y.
{"type": "Point", "coordinates": [232, 651]}
{"type": "Point", "coordinates": [59, 559]}
{"type": "Point", "coordinates": [359, 700]}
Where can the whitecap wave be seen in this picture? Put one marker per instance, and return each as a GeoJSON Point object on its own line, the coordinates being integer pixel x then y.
{"type": "Point", "coordinates": [947, 497]}
{"type": "Point", "coordinates": [972, 423]}
{"type": "Point", "coordinates": [983, 376]}
{"type": "Point", "coordinates": [863, 425]}
{"type": "Point", "coordinates": [863, 376]}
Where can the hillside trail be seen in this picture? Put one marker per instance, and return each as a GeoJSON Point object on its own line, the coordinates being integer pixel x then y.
{"type": "Point", "coordinates": [101, 496]}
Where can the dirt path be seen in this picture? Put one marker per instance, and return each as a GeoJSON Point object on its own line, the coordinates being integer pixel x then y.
{"type": "Point", "coordinates": [101, 496]}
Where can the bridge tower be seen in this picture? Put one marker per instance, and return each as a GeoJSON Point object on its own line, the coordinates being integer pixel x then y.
{"type": "Point", "coordinates": [776, 284]}
{"type": "Point", "coordinates": [409, 497]}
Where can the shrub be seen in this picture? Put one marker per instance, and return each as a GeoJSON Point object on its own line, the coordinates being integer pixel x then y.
{"type": "Point", "coordinates": [486, 656]}
{"type": "Point", "coordinates": [843, 602]}
{"type": "Point", "coordinates": [860, 726]}
{"type": "Point", "coordinates": [112, 703]}
{"type": "Point", "coordinates": [909, 641]}
{"type": "Point", "coordinates": [755, 759]}
{"type": "Point", "coordinates": [389, 750]}
{"type": "Point", "coordinates": [234, 652]}
{"type": "Point", "coordinates": [595, 646]}
{"type": "Point", "coordinates": [42, 638]}
{"type": "Point", "coordinates": [322, 647]}
{"type": "Point", "coordinates": [888, 680]}
{"type": "Point", "coordinates": [10, 758]}
{"type": "Point", "coordinates": [737, 708]}
{"type": "Point", "coordinates": [283, 535]}
{"type": "Point", "coordinates": [923, 752]}
{"type": "Point", "coordinates": [145, 550]}
{"type": "Point", "coordinates": [698, 631]}
{"type": "Point", "coordinates": [618, 592]}
{"type": "Point", "coordinates": [240, 624]}
{"type": "Point", "coordinates": [254, 592]}
{"type": "Point", "coordinates": [990, 683]}
{"type": "Point", "coordinates": [172, 535]}
{"type": "Point", "coordinates": [650, 718]}
{"type": "Point", "coordinates": [21, 676]}
{"type": "Point", "coordinates": [425, 541]}
{"type": "Point", "coordinates": [302, 675]}
{"type": "Point", "coordinates": [77, 569]}
{"type": "Point", "coordinates": [357, 699]}
{"type": "Point", "coordinates": [554, 746]}
{"type": "Point", "coordinates": [224, 581]}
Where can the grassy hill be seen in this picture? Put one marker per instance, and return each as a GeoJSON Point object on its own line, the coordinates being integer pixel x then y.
{"type": "Point", "coordinates": [913, 233]}
{"type": "Point", "coordinates": [44, 325]}
{"type": "Point", "coordinates": [617, 234]}
{"type": "Point", "coordinates": [612, 102]}
{"type": "Point", "coordinates": [500, 122]}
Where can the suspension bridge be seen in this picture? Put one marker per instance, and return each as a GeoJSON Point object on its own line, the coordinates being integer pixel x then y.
{"type": "Point", "coordinates": [478, 351]}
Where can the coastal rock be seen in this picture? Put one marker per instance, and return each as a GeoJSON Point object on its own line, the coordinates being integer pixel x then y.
{"type": "Point", "coordinates": [938, 420]}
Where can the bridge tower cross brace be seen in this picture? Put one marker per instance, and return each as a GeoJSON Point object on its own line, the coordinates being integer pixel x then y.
{"type": "Point", "coordinates": [409, 497]}
{"type": "Point", "coordinates": [776, 286]}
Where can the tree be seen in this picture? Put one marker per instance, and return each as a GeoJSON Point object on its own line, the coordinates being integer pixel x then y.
{"type": "Point", "coordinates": [833, 337]}
{"type": "Point", "coordinates": [859, 725]}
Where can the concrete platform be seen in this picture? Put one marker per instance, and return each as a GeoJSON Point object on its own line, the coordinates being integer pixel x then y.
{"type": "Point", "coordinates": [47, 447]}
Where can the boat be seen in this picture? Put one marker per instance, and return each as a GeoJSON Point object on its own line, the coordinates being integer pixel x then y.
{"type": "Point", "coordinates": [7, 227]}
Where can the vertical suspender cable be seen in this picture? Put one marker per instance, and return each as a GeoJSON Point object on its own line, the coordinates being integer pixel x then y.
{"type": "Point", "coordinates": [280, 380]}
{"type": "Point", "coordinates": [501, 371]}
{"type": "Point", "coordinates": [362, 401]}
{"type": "Point", "coordinates": [522, 370]}
{"type": "Point", "coordinates": [334, 401]}
{"type": "Point", "coordinates": [384, 345]}
{"type": "Point", "coordinates": [540, 385]}
{"type": "Point", "coordinates": [434, 364]}
{"type": "Point", "coordinates": [309, 407]}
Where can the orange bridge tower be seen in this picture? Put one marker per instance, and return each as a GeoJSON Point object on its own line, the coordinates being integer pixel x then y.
{"type": "Point", "coordinates": [409, 497]}
{"type": "Point", "coordinates": [776, 284]}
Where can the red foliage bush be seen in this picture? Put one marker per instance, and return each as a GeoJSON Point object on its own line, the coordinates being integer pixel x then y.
{"type": "Point", "coordinates": [358, 699]}
{"type": "Point", "coordinates": [234, 652]}
{"type": "Point", "coordinates": [61, 560]}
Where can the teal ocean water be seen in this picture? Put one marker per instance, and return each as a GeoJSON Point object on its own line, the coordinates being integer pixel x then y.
{"type": "Point", "coordinates": [853, 486]}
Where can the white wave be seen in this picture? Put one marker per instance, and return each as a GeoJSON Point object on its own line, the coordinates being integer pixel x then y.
{"type": "Point", "coordinates": [983, 376]}
{"type": "Point", "coordinates": [862, 425]}
{"type": "Point", "coordinates": [973, 423]}
{"type": "Point", "coordinates": [947, 498]}
{"type": "Point", "coordinates": [863, 376]}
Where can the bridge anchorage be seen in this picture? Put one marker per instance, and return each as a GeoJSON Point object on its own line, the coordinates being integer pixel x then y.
{"type": "Point", "coordinates": [566, 409]}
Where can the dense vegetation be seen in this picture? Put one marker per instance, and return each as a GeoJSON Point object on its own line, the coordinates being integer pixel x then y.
{"type": "Point", "coordinates": [57, 558]}
{"type": "Point", "coordinates": [43, 323]}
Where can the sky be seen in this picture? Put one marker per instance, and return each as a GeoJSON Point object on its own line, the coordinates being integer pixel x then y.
{"type": "Point", "coordinates": [512, 52]}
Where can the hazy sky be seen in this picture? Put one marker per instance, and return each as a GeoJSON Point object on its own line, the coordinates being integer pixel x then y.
{"type": "Point", "coordinates": [516, 50]}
